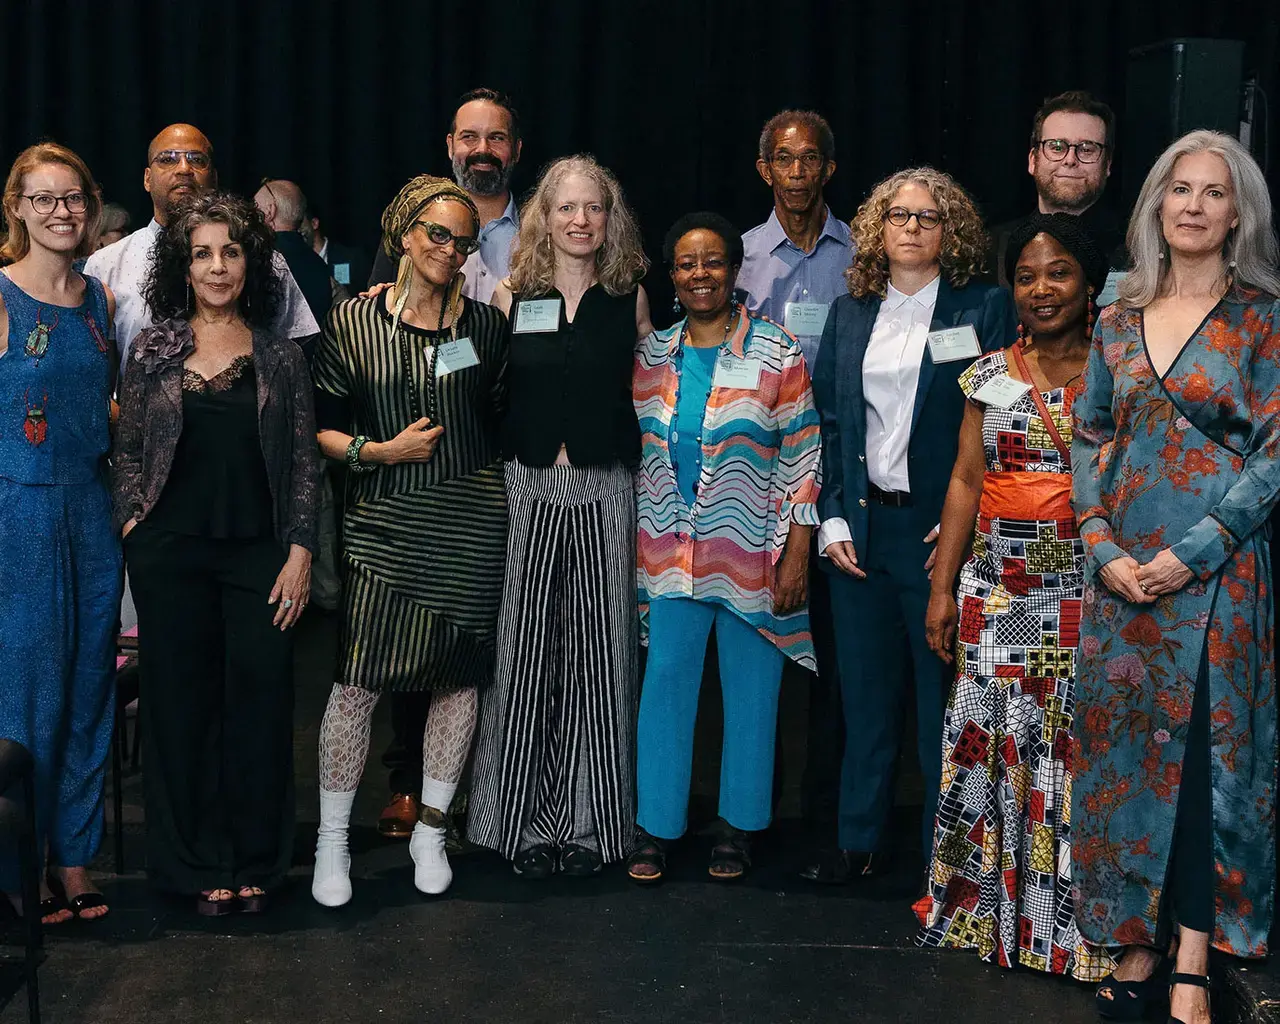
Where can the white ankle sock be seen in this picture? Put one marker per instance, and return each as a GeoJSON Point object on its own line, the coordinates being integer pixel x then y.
{"type": "Point", "coordinates": [331, 880]}
{"type": "Point", "coordinates": [438, 794]}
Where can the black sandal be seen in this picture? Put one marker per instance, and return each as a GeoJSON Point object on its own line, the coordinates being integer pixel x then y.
{"type": "Point", "coordinates": [731, 856]}
{"type": "Point", "coordinates": [255, 902]}
{"type": "Point", "coordinates": [1130, 1000]}
{"type": "Point", "coordinates": [207, 906]}
{"type": "Point", "coordinates": [536, 862]}
{"type": "Point", "coordinates": [648, 858]}
{"type": "Point", "coordinates": [87, 900]}
{"type": "Point", "coordinates": [1197, 980]}
{"type": "Point", "coordinates": [579, 862]}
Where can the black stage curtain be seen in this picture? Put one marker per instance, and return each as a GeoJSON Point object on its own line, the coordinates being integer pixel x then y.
{"type": "Point", "coordinates": [351, 99]}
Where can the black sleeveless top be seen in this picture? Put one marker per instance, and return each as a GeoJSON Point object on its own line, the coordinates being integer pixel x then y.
{"type": "Point", "coordinates": [573, 386]}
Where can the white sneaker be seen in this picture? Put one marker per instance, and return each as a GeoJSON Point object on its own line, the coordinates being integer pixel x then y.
{"type": "Point", "coordinates": [431, 872]}
{"type": "Point", "coordinates": [331, 883]}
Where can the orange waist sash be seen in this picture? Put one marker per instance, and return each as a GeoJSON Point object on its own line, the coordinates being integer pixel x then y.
{"type": "Point", "coordinates": [1040, 496]}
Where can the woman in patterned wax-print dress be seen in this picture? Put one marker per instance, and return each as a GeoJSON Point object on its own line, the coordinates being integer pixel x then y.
{"type": "Point", "coordinates": [1000, 879]}
{"type": "Point", "coordinates": [1176, 468]}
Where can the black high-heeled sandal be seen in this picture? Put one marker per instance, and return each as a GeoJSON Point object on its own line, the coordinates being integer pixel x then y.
{"type": "Point", "coordinates": [1197, 980]}
{"type": "Point", "coordinates": [1130, 1000]}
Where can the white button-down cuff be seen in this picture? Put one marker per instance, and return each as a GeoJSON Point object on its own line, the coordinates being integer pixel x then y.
{"type": "Point", "coordinates": [832, 532]}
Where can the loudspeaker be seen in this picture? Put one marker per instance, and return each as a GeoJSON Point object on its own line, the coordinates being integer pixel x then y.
{"type": "Point", "coordinates": [1172, 88]}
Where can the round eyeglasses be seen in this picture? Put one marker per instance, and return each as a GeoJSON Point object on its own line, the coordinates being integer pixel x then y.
{"type": "Point", "coordinates": [45, 203]}
{"type": "Point", "coordinates": [899, 215]}
{"type": "Point", "coordinates": [1087, 152]}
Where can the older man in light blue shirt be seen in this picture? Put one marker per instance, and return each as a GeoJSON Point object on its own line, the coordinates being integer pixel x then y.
{"type": "Point", "coordinates": [794, 263]}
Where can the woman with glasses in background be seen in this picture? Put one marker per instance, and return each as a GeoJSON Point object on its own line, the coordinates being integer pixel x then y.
{"type": "Point", "coordinates": [885, 384]}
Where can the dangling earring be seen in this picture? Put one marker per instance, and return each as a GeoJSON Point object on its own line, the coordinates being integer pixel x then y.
{"type": "Point", "coordinates": [676, 308]}
{"type": "Point", "coordinates": [188, 306]}
{"type": "Point", "coordinates": [1088, 314]}
{"type": "Point", "coordinates": [1022, 335]}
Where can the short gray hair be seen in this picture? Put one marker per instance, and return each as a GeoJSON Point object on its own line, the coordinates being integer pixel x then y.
{"type": "Point", "coordinates": [1252, 245]}
{"type": "Point", "coordinates": [812, 120]}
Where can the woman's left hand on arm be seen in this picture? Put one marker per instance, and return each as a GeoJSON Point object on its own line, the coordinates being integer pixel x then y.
{"type": "Point", "coordinates": [791, 574]}
{"type": "Point", "coordinates": [293, 588]}
{"type": "Point", "coordinates": [1164, 574]}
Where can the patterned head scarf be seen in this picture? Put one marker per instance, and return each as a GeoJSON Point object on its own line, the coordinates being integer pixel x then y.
{"type": "Point", "coordinates": [401, 214]}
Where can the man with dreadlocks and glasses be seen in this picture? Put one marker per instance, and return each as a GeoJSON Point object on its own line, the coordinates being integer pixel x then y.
{"type": "Point", "coordinates": [410, 389]}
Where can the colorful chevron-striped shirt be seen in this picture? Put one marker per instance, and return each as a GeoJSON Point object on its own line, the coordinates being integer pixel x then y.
{"type": "Point", "coordinates": [761, 471]}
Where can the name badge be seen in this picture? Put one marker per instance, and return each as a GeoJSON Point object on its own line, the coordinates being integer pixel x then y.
{"type": "Point", "coordinates": [805, 319]}
{"type": "Point", "coordinates": [342, 273]}
{"type": "Point", "coordinates": [1001, 391]}
{"type": "Point", "coordinates": [741, 374]}
{"type": "Point", "coordinates": [954, 343]}
{"type": "Point", "coordinates": [537, 316]}
{"type": "Point", "coordinates": [455, 355]}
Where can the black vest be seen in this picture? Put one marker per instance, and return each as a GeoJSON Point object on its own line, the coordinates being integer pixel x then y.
{"type": "Point", "coordinates": [573, 386]}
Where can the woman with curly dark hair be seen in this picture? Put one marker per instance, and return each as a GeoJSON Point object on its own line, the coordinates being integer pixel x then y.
{"type": "Point", "coordinates": [885, 385]}
{"type": "Point", "coordinates": [215, 495]}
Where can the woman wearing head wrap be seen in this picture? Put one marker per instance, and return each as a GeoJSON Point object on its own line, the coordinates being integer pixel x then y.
{"type": "Point", "coordinates": [409, 394]}
{"type": "Point", "coordinates": [1000, 878]}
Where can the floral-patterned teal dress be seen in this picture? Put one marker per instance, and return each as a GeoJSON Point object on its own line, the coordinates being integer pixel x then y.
{"type": "Point", "coordinates": [1191, 462]}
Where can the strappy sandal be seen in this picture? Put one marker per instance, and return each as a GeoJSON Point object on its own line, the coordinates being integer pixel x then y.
{"type": "Point", "coordinates": [578, 861]}
{"type": "Point", "coordinates": [1130, 1000]}
{"type": "Point", "coordinates": [731, 856]}
{"type": "Point", "coordinates": [648, 858]}
{"type": "Point", "coordinates": [537, 862]}
{"type": "Point", "coordinates": [255, 902]}
{"type": "Point", "coordinates": [87, 900]}
{"type": "Point", "coordinates": [207, 906]}
{"type": "Point", "coordinates": [1196, 980]}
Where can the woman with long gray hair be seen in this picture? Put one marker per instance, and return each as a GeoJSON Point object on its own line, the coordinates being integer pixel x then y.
{"type": "Point", "coordinates": [552, 789]}
{"type": "Point", "coordinates": [1176, 468]}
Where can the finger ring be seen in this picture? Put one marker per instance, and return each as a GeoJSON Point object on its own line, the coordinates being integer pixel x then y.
{"type": "Point", "coordinates": [288, 602]}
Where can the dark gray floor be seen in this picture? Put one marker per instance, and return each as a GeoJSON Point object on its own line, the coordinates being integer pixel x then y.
{"type": "Point", "coordinates": [498, 949]}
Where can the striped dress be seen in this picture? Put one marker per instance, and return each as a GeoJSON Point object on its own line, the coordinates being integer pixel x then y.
{"type": "Point", "coordinates": [761, 472]}
{"type": "Point", "coordinates": [425, 542]}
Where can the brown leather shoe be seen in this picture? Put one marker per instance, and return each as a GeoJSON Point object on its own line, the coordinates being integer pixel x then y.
{"type": "Point", "coordinates": [398, 818]}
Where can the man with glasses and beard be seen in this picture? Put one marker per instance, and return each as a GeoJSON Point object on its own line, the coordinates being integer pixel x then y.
{"type": "Point", "coordinates": [1072, 145]}
{"type": "Point", "coordinates": [179, 164]}
{"type": "Point", "coordinates": [484, 148]}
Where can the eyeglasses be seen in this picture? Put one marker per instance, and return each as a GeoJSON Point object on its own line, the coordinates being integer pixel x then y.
{"type": "Point", "coordinates": [197, 160]}
{"type": "Point", "coordinates": [898, 216]}
{"type": "Point", "coordinates": [441, 235]}
{"type": "Point", "coordinates": [783, 160]}
{"type": "Point", "coordinates": [1087, 152]}
{"type": "Point", "coordinates": [713, 265]}
{"type": "Point", "coordinates": [44, 203]}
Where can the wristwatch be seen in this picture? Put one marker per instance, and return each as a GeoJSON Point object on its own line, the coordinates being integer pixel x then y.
{"type": "Point", "coordinates": [353, 456]}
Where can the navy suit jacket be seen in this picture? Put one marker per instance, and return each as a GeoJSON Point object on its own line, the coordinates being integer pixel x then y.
{"type": "Point", "coordinates": [938, 402]}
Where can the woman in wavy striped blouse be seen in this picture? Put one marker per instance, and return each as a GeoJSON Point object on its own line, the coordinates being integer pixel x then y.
{"type": "Point", "coordinates": [727, 493]}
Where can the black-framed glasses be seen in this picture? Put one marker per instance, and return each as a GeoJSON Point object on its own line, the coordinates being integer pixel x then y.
{"type": "Point", "coordinates": [1087, 152]}
{"type": "Point", "coordinates": [441, 235]}
{"type": "Point", "coordinates": [898, 216]}
{"type": "Point", "coordinates": [783, 159]}
{"type": "Point", "coordinates": [197, 159]}
{"type": "Point", "coordinates": [44, 203]}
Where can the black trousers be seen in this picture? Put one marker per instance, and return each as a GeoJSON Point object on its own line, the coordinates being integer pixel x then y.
{"type": "Point", "coordinates": [216, 710]}
{"type": "Point", "coordinates": [1191, 870]}
{"type": "Point", "coordinates": [820, 798]}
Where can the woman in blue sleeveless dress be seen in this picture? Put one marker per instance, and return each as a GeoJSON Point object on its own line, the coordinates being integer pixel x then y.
{"type": "Point", "coordinates": [59, 560]}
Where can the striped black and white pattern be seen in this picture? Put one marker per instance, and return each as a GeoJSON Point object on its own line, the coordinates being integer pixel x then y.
{"type": "Point", "coordinates": [425, 542]}
{"type": "Point", "coordinates": [556, 751]}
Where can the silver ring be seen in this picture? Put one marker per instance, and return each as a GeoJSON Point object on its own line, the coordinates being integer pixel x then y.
{"type": "Point", "coordinates": [288, 602]}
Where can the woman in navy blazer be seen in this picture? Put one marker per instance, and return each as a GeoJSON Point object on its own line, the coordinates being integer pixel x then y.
{"type": "Point", "coordinates": [885, 386]}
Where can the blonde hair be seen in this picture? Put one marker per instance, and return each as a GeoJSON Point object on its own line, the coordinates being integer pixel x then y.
{"type": "Point", "coordinates": [964, 240]}
{"type": "Point", "coordinates": [1252, 244]}
{"type": "Point", "coordinates": [18, 243]}
{"type": "Point", "coordinates": [620, 261]}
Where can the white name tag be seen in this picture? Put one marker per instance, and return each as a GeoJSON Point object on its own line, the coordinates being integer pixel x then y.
{"type": "Point", "coordinates": [954, 343]}
{"type": "Point", "coordinates": [732, 372]}
{"type": "Point", "coordinates": [537, 316]}
{"type": "Point", "coordinates": [805, 319]}
{"type": "Point", "coordinates": [455, 355]}
{"type": "Point", "coordinates": [342, 273]}
{"type": "Point", "coordinates": [1001, 391]}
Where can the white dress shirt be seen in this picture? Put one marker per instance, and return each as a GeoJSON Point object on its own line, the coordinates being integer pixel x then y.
{"type": "Point", "coordinates": [122, 266]}
{"type": "Point", "coordinates": [890, 375]}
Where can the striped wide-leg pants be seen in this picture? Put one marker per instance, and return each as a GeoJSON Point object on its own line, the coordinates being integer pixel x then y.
{"type": "Point", "coordinates": [555, 757]}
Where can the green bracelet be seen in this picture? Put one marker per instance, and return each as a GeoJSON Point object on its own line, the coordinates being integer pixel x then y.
{"type": "Point", "coordinates": [353, 456]}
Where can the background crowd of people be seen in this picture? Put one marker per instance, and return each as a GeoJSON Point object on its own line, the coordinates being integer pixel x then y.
{"type": "Point", "coordinates": [856, 455]}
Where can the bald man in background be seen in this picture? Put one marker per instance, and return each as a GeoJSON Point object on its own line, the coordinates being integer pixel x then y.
{"type": "Point", "coordinates": [285, 208]}
{"type": "Point", "coordinates": [179, 164]}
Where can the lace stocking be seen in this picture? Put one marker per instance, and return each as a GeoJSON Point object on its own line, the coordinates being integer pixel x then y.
{"type": "Point", "coordinates": [448, 735]}
{"type": "Point", "coordinates": [344, 737]}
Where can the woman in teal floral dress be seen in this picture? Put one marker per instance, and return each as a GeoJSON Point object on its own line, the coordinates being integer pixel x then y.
{"type": "Point", "coordinates": [1176, 468]}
